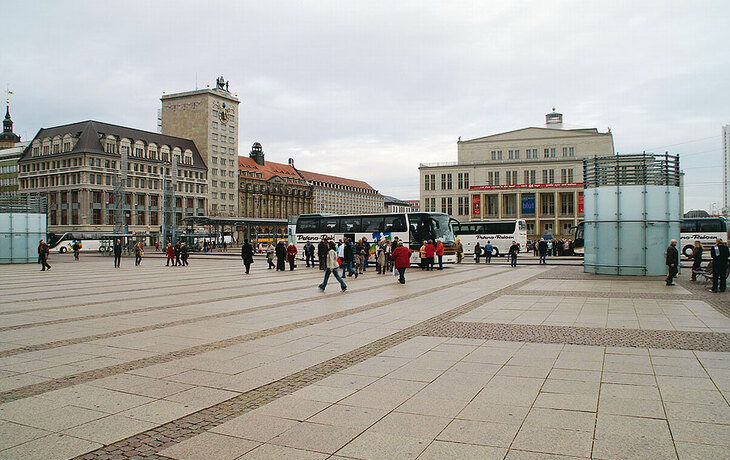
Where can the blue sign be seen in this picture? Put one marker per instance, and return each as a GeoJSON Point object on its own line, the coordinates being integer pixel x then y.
{"type": "Point", "coordinates": [528, 204]}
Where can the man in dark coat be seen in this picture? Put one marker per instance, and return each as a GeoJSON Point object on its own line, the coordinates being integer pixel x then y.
{"type": "Point", "coordinates": [322, 249]}
{"type": "Point", "coordinates": [309, 253]}
{"type": "Point", "coordinates": [280, 256]}
{"type": "Point", "coordinates": [177, 254]}
{"type": "Point", "coordinates": [117, 253]}
{"type": "Point", "coordinates": [348, 259]}
{"type": "Point", "coordinates": [542, 248]}
{"type": "Point", "coordinates": [514, 250]}
{"type": "Point", "coordinates": [184, 254]}
{"type": "Point", "coordinates": [672, 261]}
{"type": "Point", "coordinates": [43, 251]}
{"type": "Point", "coordinates": [247, 255]}
{"type": "Point", "coordinates": [720, 254]}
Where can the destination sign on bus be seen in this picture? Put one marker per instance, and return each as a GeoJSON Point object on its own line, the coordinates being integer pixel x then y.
{"type": "Point", "coordinates": [528, 186]}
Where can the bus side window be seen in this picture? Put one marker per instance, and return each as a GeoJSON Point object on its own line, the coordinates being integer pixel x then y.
{"type": "Point", "coordinates": [329, 225]}
{"type": "Point", "coordinates": [308, 225]}
{"type": "Point", "coordinates": [687, 226]}
{"type": "Point", "coordinates": [372, 224]}
{"type": "Point", "coordinates": [350, 224]}
{"type": "Point", "coordinates": [395, 224]}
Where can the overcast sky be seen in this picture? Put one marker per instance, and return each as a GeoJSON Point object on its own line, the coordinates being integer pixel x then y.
{"type": "Point", "coordinates": [369, 90]}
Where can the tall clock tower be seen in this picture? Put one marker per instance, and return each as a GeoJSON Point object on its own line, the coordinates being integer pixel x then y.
{"type": "Point", "coordinates": [210, 118]}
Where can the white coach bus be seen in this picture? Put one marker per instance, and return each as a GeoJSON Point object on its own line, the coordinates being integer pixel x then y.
{"type": "Point", "coordinates": [410, 228]}
{"type": "Point", "coordinates": [501, 233]}
{"type": "Point", "coordinates": [706, 230]}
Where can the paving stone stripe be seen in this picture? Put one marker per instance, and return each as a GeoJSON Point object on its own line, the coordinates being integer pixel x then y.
{"type": "Point", "coordinates": [148, 443]}
{"type": "Point", "coordinates": [156, 308]}
{"type": "Point", "coordinates": [95, 374]}
{"type": "Point", "coordinates": [612, 295]}
{"type": "Point", "coordinates": [135, 330]}
{"type": "Point", "coordinates": [136, 288]}
{"type": "Point", "coordinates": [166, 294]}
{"type": "Point", "coordinates": [604, 337]}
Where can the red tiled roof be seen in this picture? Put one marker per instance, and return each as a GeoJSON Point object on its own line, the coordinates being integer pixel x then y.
{"type": "Point", "coordinates": [268, 169]}
{"type": "Point", "coordinates": [310, 176]}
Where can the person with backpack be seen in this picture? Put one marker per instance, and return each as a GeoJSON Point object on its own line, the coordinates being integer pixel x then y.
{"type": "Point", "coordinates": [76, 248]}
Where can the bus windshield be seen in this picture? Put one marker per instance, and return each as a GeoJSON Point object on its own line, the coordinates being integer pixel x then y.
{"type": "Point", "coordinates": [430, 227]}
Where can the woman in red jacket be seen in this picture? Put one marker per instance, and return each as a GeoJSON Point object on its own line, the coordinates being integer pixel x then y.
{"type": "Point", "coordinates": [440, 254]}
{"type": "Point", "coordinates": [170, 252]}
{"type": "Point", "coordinates": [401, 260]}
{"type": "Point", "coordinates": [430, 252]}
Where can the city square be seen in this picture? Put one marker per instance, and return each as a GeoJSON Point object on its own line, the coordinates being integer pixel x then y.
{"type": "Point", "coordinates": [488, 361]}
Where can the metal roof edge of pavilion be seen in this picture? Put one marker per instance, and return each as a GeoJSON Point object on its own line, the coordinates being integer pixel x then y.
{"type": "Point", "coordinates": [215, 220]}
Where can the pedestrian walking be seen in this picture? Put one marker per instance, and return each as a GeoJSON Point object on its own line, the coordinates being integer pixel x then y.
{"type": "Point", "coordinates": [514, 250]}
{"type": "Point", "coordinates": [291, 254]}
{"type": "Point", "coordinates": [459, 251]}
{"type": "Point", "coordinates": [177, 254]}
{"type": "Point", "coordinates": [696, 259]}
{"type": "Point", "coordinates": [117, 253]}
{"type": "Point", "coordinates": [270, 254]}
{"type": "Point", "coordinates": [401, 261]}
{"type": "Point", "coordinates": [332, 267]}
{"type": "Point", "coordinates": [170, 253]}
{"type": "Point", "coordinates": [477, 252]}
{"type": "Point", "coordinates": [43, 252]}
{"type": "Point", "coordinates": [138, 252]}
{"type": "Point", "coordinates": [366, 253]}
{"type": "Point", "coordinates": [440, 253]}
{"type": "Point", "coordinates": [309, 253]}
{"type": "Point", "coordinates": [380, 258]}
{"type": "Point", "coordinates": [488, 250]}
{"type": "Point", "coordinates": [76, 248]}
{"type": "Point", "coordinates": [359, 257]}
{"type": "Point", "coordinates": [322, 249]}
{"type": "Point", "coordinates": [720, 254]}
{"type": "Point", "coordinates": [672, 260]}
{"type": "Point", "coordinates": [542, 249]}
{"type": "Point", "coordinates": [280, 256]}
{"type": "Point", "coordinates": [247, 255]}
{"type": "Point", "coordinates": [184, 254]}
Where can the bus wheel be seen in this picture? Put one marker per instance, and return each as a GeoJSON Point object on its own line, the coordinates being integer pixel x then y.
{"type": "Point", "coordinates": [62, 250]}
{"type": "Point", "coordinates": [688, 250]}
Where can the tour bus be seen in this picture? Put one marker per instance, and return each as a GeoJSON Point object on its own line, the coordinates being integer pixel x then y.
{"type": "Point", "coordinates": [410, 228]}
{"type": "Point", "coordinates": [578, 241]}
{"type": "Point", "coordinates": [501, 233]}
{"type": "Point", "coordinates": [705, 229]}
{"type": "Point", "coordinates": [64, 242]}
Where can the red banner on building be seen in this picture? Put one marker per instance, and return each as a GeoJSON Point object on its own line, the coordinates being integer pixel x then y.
{"type": "Point", "coordinates": [580, 203]}
{"type": "Point", "coordinates": [528, 186]}
{"type": "Point", "coordinates": [476, 205]}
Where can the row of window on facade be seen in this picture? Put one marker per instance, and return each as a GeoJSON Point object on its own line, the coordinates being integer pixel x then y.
{"type": "Point", "coordinates": [223, 126]}
{"type": "Point", "coordinates": [222, 208]}
{"type": "Point", "coordinates": [345, 187]}
{"type": "Point", "coordinates": [532, 154]}
{"type": "Point", "coordinates": [108, 164]}
{"type": "Point", "coordinates": [7, 169]}
{"type": "Point", "coordinates": [509, 203]}
{"type": "Point", "coordinates": [567, 175]}
{"type": "Point", "coordinates": [217, 149]}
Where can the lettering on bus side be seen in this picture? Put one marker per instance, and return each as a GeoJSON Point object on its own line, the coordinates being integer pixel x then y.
{"type": "Point", "coordinates": [696, 236]}
{"type": "Point", "coordinates": [305, 238]}
{"type": "Point", "coordinates": [494, 237]}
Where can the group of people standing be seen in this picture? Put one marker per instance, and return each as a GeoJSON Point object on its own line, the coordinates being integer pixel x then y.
{"type": "Point", "coordinates": [177, 255]}
{"type": "Point", "coordinates": [429, 252]}
{"type": "Point", "coordinates": [488, 250]}
{"type": "Point", "coordinates": [718, 266]}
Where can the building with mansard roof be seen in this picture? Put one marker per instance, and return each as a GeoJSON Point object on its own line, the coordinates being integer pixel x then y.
{"type": "Point", "coordinates": [267, 189]}
{"type": "Point", "coordinates": [76, 166]}
{"type": "Point", "coordinates": [339, 195]}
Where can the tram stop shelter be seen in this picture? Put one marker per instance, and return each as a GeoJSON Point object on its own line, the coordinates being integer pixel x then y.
{"type": "Point", "coordinates": [255, 229]}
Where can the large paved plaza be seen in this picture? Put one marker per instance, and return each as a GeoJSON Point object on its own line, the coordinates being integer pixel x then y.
{"type": "Point", "coordinates": [203, 362]}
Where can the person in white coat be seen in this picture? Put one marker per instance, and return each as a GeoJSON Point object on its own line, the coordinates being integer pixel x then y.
{"type": "Point", "coordinates": [331, 268]}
